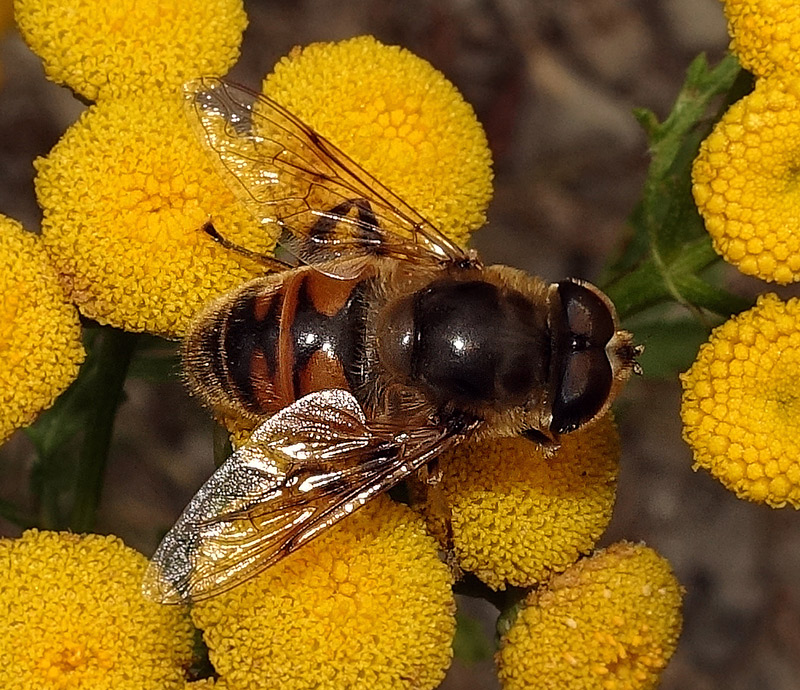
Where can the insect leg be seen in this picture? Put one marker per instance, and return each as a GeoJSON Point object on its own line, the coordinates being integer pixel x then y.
{"type": "Point", "coordinates": [269, 262]}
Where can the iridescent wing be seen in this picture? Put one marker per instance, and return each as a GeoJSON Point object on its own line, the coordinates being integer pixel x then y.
{"type": "Point", "coordinates": [304, 469]}
{"type": "Point", "coordinates": [287, 174]}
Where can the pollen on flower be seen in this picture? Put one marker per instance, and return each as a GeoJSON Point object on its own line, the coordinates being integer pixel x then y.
{"type": "Point", "coordinates": [368, 603]}
{"type": "Point", "coordinates": [74, 617]}
{"type": "Point", "coordinates": [400, 119]}
{"type": "Point", "coordinates": [745, 182]}
{"type": "Point", "coordinates": [610, 622]}
{"type": "Point", "coordinates": [40, 338]}
{"type": "Point", "coordinates": [740, 407]}
{"type": "Point", "coordinates": [126, 193]}
{"type": "Point", "coordinates": [207, 684]}
{"type": "Point", "coordinates": [765, 35]}
{"type": "Point", "coordinates": [119, 48]}
{"type": "Point", "coordinates": [516, 516]}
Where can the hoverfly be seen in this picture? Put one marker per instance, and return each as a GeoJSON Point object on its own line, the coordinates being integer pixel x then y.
{"type": "Point", "coordinates": [383, 346]}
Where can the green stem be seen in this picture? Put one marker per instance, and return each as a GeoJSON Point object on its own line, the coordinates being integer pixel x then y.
{"type": "Point", "coordinates": [113, 354]}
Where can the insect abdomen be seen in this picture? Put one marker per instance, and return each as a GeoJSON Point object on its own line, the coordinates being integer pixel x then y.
{"type": "Point", "coordinates": [273, 342]}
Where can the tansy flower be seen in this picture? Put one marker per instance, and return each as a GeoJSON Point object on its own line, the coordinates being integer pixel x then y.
{"type": "Point", "coordinates": [40, 339]}
{"type": "Point", "coordinates": [121, 48]}
{"type": "Point", "coordinates": [400, 119]}
{"type": "Point", "coordinates": [73, 617]}
{"type": "Point", "coordinates": [365, 606]}
{"type": "Point", "coordinates": [765, 35]}
{"type": "Point", "coordinates": [125, 194]}
{"type": "Point", "coordinates": [610, 622]}
{"type": "Point", "coordinates": [741, 409]}
{"type": "Point", "coordinates": [744, 182]}
{"type": "Point", "coordinates": [516, 515]}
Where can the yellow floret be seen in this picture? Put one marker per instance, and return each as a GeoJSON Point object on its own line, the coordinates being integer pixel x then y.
{"type": "Point", "coordinates": [124, 47]}
{"type": "Point", "coordinates": [765, 35]}
{"type": "Point", "coordinates": [610, 622]}
{"type": "Point", "coordinates": [40, 340]}
{"type": "Point", "coordinates": [516, 515]}
{"type": "Point", "coordinates": [207, 684]}
{"type": "Point", "coordinates": [126, 193]}
{"type": "Point", "coordinates": [740, 408]}
{"type": "Point", "coordinates": [73, 618]}
{"type": "Point", "coordinates": [399, 118]}
{"type": "Point", "coordinates": [744, 182]}
{"type": "Point", "coordinates": [366, 606]}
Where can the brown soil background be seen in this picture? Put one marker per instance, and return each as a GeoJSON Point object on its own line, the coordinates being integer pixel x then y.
{"type": "Point", "coordinates": [554, 84]}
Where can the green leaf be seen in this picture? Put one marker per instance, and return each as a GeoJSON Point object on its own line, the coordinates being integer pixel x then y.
{"type": "Point", "coordinates": [670, 342]}
{"type": "Point", "coordinates": [669, 247]}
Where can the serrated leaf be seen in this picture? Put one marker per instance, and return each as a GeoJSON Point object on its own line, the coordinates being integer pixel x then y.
{"type": "Point", "coordinates": [669, 247]}
{"type": "Point", "coordinates": [666, 215]}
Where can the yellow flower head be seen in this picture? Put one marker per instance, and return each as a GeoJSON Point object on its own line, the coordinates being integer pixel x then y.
{"type": "Point", "coordinates": [124, 47]}
{"type": "Point", "coordinates": [610, 622]}
{"type": "Point", "coordinates": [366, 606]}
{"type": "Point", "coordinates": [765, 35]}
{"type": "Point", "coordinates": [207, 684]}
{"type": "Point", "coordinates": [73, 617]}
{"type": "Point", "coordinates": [125, 193]}
{"type": "Point", "coordinates": [40, 340]}
{"type": "Point", "coordinates": [741, 409]}
{"type": "Point", "coordinates": [517, 515]}
{"type": "Point", "coordinates": [400, 119]}
{"type": "Point", "coordinates": [745, 182]}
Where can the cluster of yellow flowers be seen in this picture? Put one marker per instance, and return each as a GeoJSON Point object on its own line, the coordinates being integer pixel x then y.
{"type": "Point", "coordinates": [739, 403]}
{"type": "Point", "coordinates": [74, 619]}
{"type": "Point", "coordinates": [369, 604]}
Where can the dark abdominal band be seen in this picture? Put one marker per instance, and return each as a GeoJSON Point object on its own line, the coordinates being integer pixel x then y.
{"type": "Point", "coordinates": [251, 345]}
{"type": "Point", "coordinates": [340, 335]}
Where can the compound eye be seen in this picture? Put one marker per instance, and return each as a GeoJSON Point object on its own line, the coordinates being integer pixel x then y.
{"type": "Point", "coordinates": [585, 386]}
{"type": "Point", "coordinates": [586, 314]}
{"type": "Point", "coordinates": [585, 377]}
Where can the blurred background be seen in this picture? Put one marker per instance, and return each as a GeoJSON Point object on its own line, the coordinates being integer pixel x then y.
{"type": "Point", "coordinates": [554, 83]}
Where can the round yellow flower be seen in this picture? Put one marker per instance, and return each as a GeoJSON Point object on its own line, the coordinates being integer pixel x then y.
{"type": "Point", "coordinates": [207, 684]}
{"type": "Point", "coordinates": [517, 515]}
{"type": "Point", "coordinates": [126, 193]}
{"type": "Point", "coordinates": [400, 119]}
{"type": "Point", "coordinates": [741, 410]}
{"type": "Point", "coordinates": [765, 35]}
{"type": "Point", "coordinates": [73, 617]}
{"type": "Point", "coordinates": [40, 341]}
{"type": "Point", "coordinates": [610, 622]}
{"type": "Point", "coordinates": [124, 47]}
{"type": "Point", "coordinates": [744, 182]}
{"type": "Point", "coordinates": [367, 605]}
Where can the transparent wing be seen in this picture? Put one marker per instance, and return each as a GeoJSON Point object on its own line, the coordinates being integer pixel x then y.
{"type": "Point", "coordinates": [302, 470]}
{"type": "Point", "coordinates": [285, 173]}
